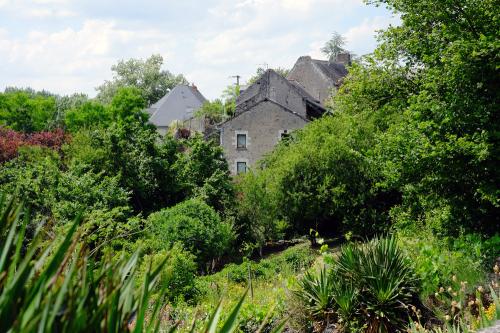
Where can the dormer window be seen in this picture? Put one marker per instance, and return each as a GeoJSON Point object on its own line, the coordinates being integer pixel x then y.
{"type": "Point", "coordinates": [241, 141]}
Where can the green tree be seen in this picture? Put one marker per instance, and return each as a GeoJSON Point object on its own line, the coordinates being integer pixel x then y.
{"type": "Point", "coordinates": [87, 115]}
{"type": "Point", "coordinates": [334, 46]}
{"type": "Point", "coordinates": [197, 226]}
{"type": "Point", "coordinates": [26, 112]}
{"type": "Point", "coordinates": [202, 171]}
{"type": "Point", "coordinates": [146, 75]}
{"type": "Point", "coordinates": [443, 156]}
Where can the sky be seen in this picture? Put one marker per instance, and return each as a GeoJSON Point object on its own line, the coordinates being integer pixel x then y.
{"type": "Point", "coordinates": [66, 46]}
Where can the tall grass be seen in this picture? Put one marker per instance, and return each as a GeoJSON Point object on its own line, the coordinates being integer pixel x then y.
{"type": "Point", "coordinates": [60, 288]}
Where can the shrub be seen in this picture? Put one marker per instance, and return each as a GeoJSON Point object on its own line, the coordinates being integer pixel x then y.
{"type": "Point", "coordinates": [197, 226]}
{"type": "Point", "coordinates": [177, 274]}
{"type": "Point", "coordinates": [436, 263]}
{"type": "Point", "coordinates": [11, 141]}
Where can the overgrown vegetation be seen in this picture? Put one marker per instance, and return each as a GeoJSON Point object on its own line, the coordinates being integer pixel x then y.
{"type": "Point", "coordinates": [130, 230]}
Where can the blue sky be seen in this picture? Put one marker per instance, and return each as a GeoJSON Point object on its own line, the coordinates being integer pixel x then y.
{"type": "Point", "coordinates": [67, 46]}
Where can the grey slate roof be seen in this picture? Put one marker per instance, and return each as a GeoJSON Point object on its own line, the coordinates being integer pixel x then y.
{"type": "Point", "coordinates": [334, 70]}
{"type": "Point", "coordinates": [272, 86]}
{"type": "Point", "coordinates": [179, 104]}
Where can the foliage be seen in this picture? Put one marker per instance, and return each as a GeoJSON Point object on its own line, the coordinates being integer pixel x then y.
{"type": "Point", "coordinates": [372, 283]}
{"type": "Point", "coordinates": [214, 111]}
{"type": "Point", "coordinates": [145, 75]}
{"type": "Point", "coordinates": [60, 288]}
{"type": "Point", "coordinates": [438, 265]}
{"type": "Point", "coordinates": [87, 115]}
{"type": "Point", "coordinates": [316, 293]}
{"type": "Point", "coordinates": [465, 312]}
{"type": "Point", "coordinates": [197, 226]}
{"type": "Point", "coordinates": [26, 112]}
{"type": "Point", "coordinates": [177, 276]}
{"type": "Point", "coordinates": [202, 171]}
{"type": "Point", "coordinates": [334, 46]}
{"type": "Point", "coordinates": [37, 175]}
{"type": "Point", "coordinates": [11, 141]}
{"type": "Point", "coordinates": [329, 188]}
{"type": "Point", "coordinates": [442, 157]}
{"type": "Point", "coordinates": [294, 260]}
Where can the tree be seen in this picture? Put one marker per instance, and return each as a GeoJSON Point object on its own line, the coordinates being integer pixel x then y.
{"type": "Point", "coordinates": [145, 75]}
{"type": "Point", "coordinates": [221, 108]}
{"type": "Point", "coordinates": [444, 155]}
{"type": "Point", "coordinates": [27, 112]}
{"type": "Point", "coordinates": [334, 46]}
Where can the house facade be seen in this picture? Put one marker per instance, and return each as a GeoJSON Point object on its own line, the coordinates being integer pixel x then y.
{"type": "Point", "coordinates": [266, 112]}
{"type": "Point", "coordinates": [179, 104]}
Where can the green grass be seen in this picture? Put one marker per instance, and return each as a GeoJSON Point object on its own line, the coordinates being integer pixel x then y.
{"type": "Point", "coordinates": [272, 279]}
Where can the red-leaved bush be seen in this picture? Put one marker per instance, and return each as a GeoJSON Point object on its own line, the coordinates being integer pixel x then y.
{"type": "Point", "coordinates": [11, 140]}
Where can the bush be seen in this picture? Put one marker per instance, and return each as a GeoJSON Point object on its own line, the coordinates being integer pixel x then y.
{"type": "Point", "coordinates": [177, 276]}
{"type": "Point", "coordinates": [436, 263]}
{"type": "Point", "coordinates": [293, 260]}
{"type": "Point", "coordinates": [197, 226]}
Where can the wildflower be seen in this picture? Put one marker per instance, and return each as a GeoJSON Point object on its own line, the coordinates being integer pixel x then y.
{"type": "Point", "coordinates": [480, 289]}
{"type": "Point", "coordinates": [496, 269]}
{"type": "Point", "coordinates": [471, 303]}
{"type": "Point", "coordinates": [455, 294]}
{"type": "Point", "coordinates": [436, 294]}
{"type": "Point", "coordinates": [447, 318]}
{"type": "Point", "coordinates": [490, 311]}
{"type": "Point", "coordinates": [454, 304]}
{"type": "Point", "coordinates": [454, 278]}
{"type": "Point", "coordinates": [450, 289]}
{"type": "Point", "coordinates": [441, 290]}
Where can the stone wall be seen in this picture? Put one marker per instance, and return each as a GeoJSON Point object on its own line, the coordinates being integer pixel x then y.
{"type": "Point", "coordinates": [311, 78]}
{"type": "Point", "coordinates": [262, 124]}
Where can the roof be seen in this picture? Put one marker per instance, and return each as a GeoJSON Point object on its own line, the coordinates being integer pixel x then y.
{"type": "Point", "coordinates": [258, 102]}
{"type": "Point", "coordinates": [272, 86]}
{"type": "Point", "coordinates": [333, 70]}
{"type": "Point", "coordinates": [179, 104]}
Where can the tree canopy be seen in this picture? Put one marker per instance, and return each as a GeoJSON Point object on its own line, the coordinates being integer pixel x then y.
{"type": "Point", "coordinates": [146, 75]}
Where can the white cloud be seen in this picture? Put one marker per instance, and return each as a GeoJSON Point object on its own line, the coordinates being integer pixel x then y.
{"type": "Point", "coordinates": [73, 60]}
{"type": "Point", "coordinates": [362, 38]}
{"type": "Point", "coordinates": [59, 45]}
{"type": "Point", "coordinates": [48, 12]}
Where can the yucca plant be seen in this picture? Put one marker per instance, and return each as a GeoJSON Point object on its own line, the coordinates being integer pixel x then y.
{"type": "Point", "coordinates": [385, 281]}
{"type": "Point", "coordinates": [316, 293]}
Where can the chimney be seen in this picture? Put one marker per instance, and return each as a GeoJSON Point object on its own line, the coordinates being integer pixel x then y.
{"type": "Point", "coordinates": [343, 58]}
{"type": "Point", "coordinates": [304, 59]}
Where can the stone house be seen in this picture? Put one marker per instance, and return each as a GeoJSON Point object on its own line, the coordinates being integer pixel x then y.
{"type": "Point", "coordinates": [179, 104]}
{"type": "Point", "coordinates": [274, 106]}
{"type": "Point", "coordinates": [319, 78]}
{"type": "Point", "coordinates": [266, 112]}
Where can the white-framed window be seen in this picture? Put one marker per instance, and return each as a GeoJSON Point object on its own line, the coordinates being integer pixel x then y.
{"type": "Point", "coordinates": [284, 134]}
{"type": "Point", "coordinates": [241, 167]}
{"type": "Point", "coordinates": [241, 141]}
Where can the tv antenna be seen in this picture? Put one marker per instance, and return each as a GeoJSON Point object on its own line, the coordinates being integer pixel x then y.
{"type": "Point", "coordinates": [238, 77]}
